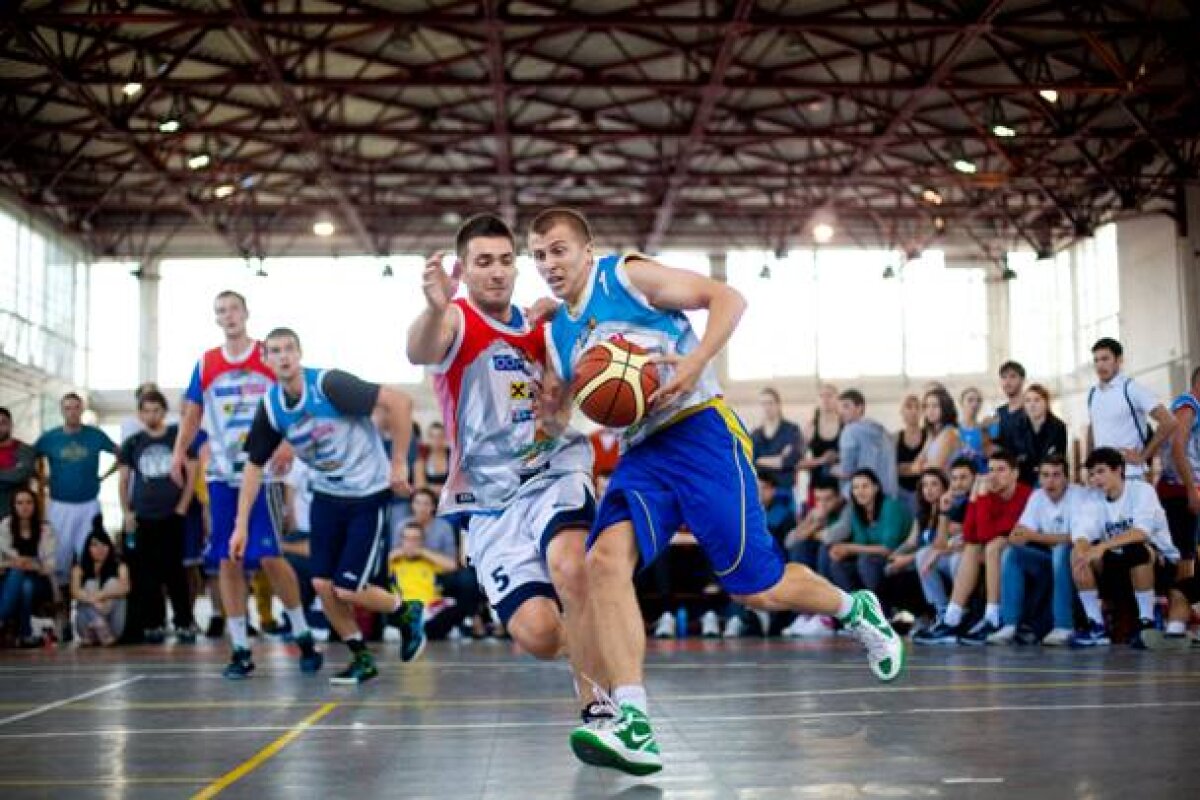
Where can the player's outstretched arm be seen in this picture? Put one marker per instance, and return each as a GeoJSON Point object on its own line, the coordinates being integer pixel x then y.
{"type": "Point", "coordinates": [432, 333]}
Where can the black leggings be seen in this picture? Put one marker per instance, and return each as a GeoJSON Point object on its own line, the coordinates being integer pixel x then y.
{"type": "Point", "coordinates": [160, 553]}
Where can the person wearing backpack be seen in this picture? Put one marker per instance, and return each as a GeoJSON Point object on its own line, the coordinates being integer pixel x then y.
{"type": "Point", "coordinates": [1120, 411]}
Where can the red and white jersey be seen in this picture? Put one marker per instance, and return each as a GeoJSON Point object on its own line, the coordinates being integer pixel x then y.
{"type": "Point", "coordinates": [487, 387]}
{"type": "Point", "coordinates": [230, 390]}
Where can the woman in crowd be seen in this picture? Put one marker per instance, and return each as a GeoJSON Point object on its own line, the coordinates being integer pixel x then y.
{"type": "Point", "coordinates": [941, 422]}
{"type": "Point", "coordinates": [937, 559]}
{"type": "Point", "coordinates": [878, 525]}
{"type": "Point", "coordinates": [433, 464]}
{"type": "Point", "coordinates": [823, 436]}
{"type": "Point", "coordinates": [99, 586]}
{"type": "Point", "coordinates": [27, 554]}
{"type": "Point", "coordinates": [910, 441]}
{"type": "Point", "coordinates": [970, 429]}
{"type": "Point", "coordinates": [1037, 433]}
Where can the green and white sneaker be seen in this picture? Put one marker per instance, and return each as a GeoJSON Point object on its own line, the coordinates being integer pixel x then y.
{"type": "Point", "coordinates": [885, 649]}
{"type": "Point", "coordinates": [625, 743]}
{"type": "Point", "coordinates": [360, 670]}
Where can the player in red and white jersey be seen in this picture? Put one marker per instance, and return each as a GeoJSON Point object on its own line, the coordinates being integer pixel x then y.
{"type": "Point", "coordinates": [226, 389]}
{"type": "Point", "coordinates": [522, 481]}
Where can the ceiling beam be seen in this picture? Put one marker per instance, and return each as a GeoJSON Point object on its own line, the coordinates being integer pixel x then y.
{"type": "Point", "coordinates": [498, 75]}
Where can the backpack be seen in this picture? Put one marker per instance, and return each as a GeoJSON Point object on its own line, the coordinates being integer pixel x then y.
{"type": "Point", "coordinates": [1145, 432]}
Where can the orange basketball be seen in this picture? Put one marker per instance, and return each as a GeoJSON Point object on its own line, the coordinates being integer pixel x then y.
{"type": "Point", "coordinates": [613, 383]}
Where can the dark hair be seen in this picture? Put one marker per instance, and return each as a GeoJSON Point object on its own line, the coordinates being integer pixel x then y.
{"type": "Point", "coordinates": [854, 396]}
{"type": "Point", "coordinates": [927, 512]}
{"type": "Point", "coordinates": [430, 493]}
{"type": "Point", "coordinates": [1006, 457]}
{"type": "Point", "coordinates": [771, 392]}
{"type": "Point", "coordinates": [283, 333]}
{"type": "Point", "coordinates": [110, 568]}
{"type": "Point", "coordinates": [152, 396]}
{"type": "Point", "coordinates": [437, 426]}
{"type": "Point", "coordinates": [1108, 456]}
{"type": "Point", "coordinates": [547, 219]}
{"type": "Point", "coordinates": [231, 293]}
{"type": "Point", "coordinates": [1055, 460]}
{"type": "Point", "coordinates": [1110, 344]}
{"type": "Point", "coordinates": [859, 512]}
{"type": "Point", "coordinates": [1196, 375]}
{"type": "Point", "coordinates": [946, 403]}
{"type": "Point", "coordinates": [964, 462]}
{"type": "Point", "coordinates": [824, 482]}
{"type": "Point", "coordinates": [1012, 366]}
{"type": "Point", "coordinates": [4, 412]}
{"type": "Point", "coordinates": [416, 526]}
{"type": "Point", "coordinates": [481, 226]}
{"type": "Point", "coordinates": [35, 522]}
{"type": "Point", "coordinates": [70, 396]}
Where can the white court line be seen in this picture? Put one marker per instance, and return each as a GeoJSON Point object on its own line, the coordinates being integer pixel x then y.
{"type": "Point", "coordinates": [953, 781]}
{"type": "Point", "coordinates": [812, 716]}
{"type": "Point", "coordinates": [33, 712]}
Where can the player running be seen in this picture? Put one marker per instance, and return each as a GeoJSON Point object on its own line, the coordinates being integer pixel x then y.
{"type": "Point", "coordinates": [226, 387]}
{"type": "Point", "coordinates": [523, 482]}
{"type": "Point", "coordinates": [325, 415]}
{"type": "Point", "coordinates": [688, 461]}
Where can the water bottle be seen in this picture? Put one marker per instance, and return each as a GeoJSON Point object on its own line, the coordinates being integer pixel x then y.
{"type": "Point", "coordinates": [681, 623]}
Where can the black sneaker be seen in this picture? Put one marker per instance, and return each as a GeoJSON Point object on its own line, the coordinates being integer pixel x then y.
{"type": "Point", "coordinates": [978, 635]}
{"type": "Point", "coordinates": [940, 633]}
{"type": "Point", "coordinates": [154, 636]}
{"type": "Point", "coordinates": [311, 658]}
{"type": "Point", "coordinates": [187, 635]}
{"type": "Point", "coordinates": [1142, 636]}
{"type": "Point", "coordinates": [215, 629]}
{"type": "Point", "coordinates": [251, 630]}
{"type": "Point", "coordinates": [360, 670]}
{"type": "Point", "coordinates": [240, 666]}
{"type": "Point", "coordinates": [277, 628]}
{"type": "Point", "coordinates": [410, 620]}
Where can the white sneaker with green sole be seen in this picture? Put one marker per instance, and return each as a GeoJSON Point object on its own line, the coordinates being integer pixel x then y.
{"type": "Point", "coordinates": [885, 648]}
{"type": "Point", "coordinates": [625, 743]}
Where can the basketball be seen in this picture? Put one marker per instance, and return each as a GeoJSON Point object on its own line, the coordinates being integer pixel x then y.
{"type": "Point", "coordinates": [613, 383]}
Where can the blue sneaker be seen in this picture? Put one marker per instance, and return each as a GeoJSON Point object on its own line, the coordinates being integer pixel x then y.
{"type": "Point", "coordinates": [1095, 635]}
{"type": "Point", "coordinates": [978, 635]}
{"type": "Point", "coordinates": [410, 619]}
{"type": "Point", "coordinates": [941, 633]}
{"type": "Point", "coordinates": [240, 666]}
{"type": "Point", "coordinates": [311, 658]}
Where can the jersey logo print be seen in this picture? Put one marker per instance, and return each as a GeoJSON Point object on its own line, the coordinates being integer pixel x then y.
{"type": "Point", "coordinates": [518, 390]}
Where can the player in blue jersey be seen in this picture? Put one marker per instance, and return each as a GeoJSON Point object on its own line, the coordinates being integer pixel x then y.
{"type": "Point", "coordinates": [325, 415]}
{"type": "Point", "coordinates": [687, 462]}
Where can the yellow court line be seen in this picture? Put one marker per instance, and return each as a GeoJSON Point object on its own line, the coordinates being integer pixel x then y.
{"type": "Point", "coordinates": [262, 756]}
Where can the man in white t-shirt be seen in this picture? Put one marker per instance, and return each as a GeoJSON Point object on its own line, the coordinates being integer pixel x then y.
{"type": "Point", "coordinates": [1120, 410]}
{"type": "Point", "coordinates": [1039, 551]}
{"type": "Point", "coordinates": [1132, 536]}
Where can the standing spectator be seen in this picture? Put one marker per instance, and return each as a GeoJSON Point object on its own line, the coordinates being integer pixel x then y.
{"type": "Point", "coordinates": [18, 462]}
{"type": "Point", "coordinates": [864, 444]}
{"type": "Point", "coordinates": [991, 517]}
{"type": "Point", "coordinates": [1132, 536]}
{"type": "Point", "coordinates": [999, 425]}
{"type": "Point", "coordinates": [433, 465]}
{"type": "Point", "coordinates": [28, 553]}
{"type": "Point", "coordinates": [155, 509]}
{"type": "Point", "coordinates": [1179, 492]}
{"type": "Point", "coordinates": [1037, 434]}
{"type": "Point", "coordinates": [910, 441]}
{"type": "Point", "coordinates": [970, 429]}
{"type": "Point", "coordinates": [1120, 410]}
{"type": "Point", "coordinates": [99, 586]}
{"type": "Point", "coordinates": [132, 424]}
{"type": "Point", "coordinates": [941, 420]}
{"type": "Point", "coordinates": [72, 452]}
{"type": "Point", "coordinates": [778, 446]}
{"type": "Point", "coordinates": [1039, 553]}
{"type": "Point", "coordinates": [878, 525]}
{"type": "Point", "coordinates": [823, 436]}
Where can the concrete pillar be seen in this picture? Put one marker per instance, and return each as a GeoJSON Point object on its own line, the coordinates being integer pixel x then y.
{"type": "Point", "coordinates": [1189, 278]}
{"type": "Point", "coordinates": [999, 324]}
{"type": "Point", "coordinates": [716, 269]}
{"type": "Point", "coordinates": [148, 278]}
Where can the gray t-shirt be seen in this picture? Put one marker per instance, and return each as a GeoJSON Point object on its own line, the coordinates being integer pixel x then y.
{"type": "Point", "coordinates": [441, 538]}
{"type": "Point", "coordinates": [865, 444]}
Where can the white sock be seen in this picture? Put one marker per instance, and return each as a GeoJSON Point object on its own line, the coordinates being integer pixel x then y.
{"type": "Point", "coordinates": [953, 615]}
{"type": "Point", "coordinates": [237, 633]}
{"type": "Point", "coordinates": [1145, 603]}
{"type": "Point", "coordinates": [1176, 627]}
{"type": "Point", "coordinates": [991, 613]}
{"type": "Point", "coordinates": [296, 618]}
{"type": "Point", "coordinates": [632, 695]}
{"type": "Point", "coordinates": [845, 606]}
{"type": "Point", "coordinates": [1091, 605]}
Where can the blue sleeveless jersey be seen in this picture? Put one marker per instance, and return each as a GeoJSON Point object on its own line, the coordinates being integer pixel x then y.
{"type": "Point", "coordinates": [345, 452]}
{"type": "Point", "coordinates": [1192, 448]}
{"type": "Point", "coordinates": [613, 306]}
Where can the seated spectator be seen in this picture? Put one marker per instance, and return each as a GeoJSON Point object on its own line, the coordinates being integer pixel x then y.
{"type": "Point", "coordinates": [991, 516]}
{"type": "Point", "coordinates": [460, 583]}
{"type": "Point", "coordinates": [970, 429]}
{"type": "Point", "coordinates": [910, 441]}
{"type": "Point", "coordinates": [878, 525]}
{"type": "Point", "coordinates": [17, 462]}
{"type": "Point", "coordinates": [1131, 537]}
{"type": "Point", "coordinates": [941, 420]}
{"type": "Point", "coordinates": [1036, 434]}
{"type": "Point", "coordinates": [28, 555]}
{"type": "Point", "coordinates": [826, 523]}
{"type": "Point", "coordinates": [99, 586]}
{"type": "Point", "coordinates": [1039, 554]}
{"type": "Point", "coordinates": [939, 556]}
{"type": "Point", "coordinates": [864, 444]}
{"type": "Point", "coordinates": [415, 571]}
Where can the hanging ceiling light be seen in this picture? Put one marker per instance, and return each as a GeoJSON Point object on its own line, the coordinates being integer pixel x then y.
{"type": "Point", "coordinates": [199, 161]}
{"type": "Point", "coordinates": [966, 167]}
{"type": "Point", "coordinates": [323, 227]}
{"type": "Point", "coordinates": [932, 196]}
{"type": "Point", "coordinates": [223, 191]}
{"type": "Point", "coordinates": [131, 89]}
{"type": "Point", "coordinates": [1049, 95]}
{"type": "Point", "coordinates": [822, 232]}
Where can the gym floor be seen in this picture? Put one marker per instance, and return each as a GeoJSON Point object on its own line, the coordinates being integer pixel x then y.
{"type": "Point", "coordinates": [746, 719]}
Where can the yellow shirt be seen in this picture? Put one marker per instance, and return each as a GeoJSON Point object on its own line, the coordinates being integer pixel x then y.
{"type": "Point", "coordinates": [416, 578]}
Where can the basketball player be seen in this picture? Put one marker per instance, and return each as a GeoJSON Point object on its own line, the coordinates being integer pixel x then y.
{"type": "Point", "coordinates": [226, 388]}
{"type": "Point", "coordinates": [326, 417]}
{"type": "Point", "coordinates": [688, 461]}
{"type": "Point", "coordinates": [523, 481]}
